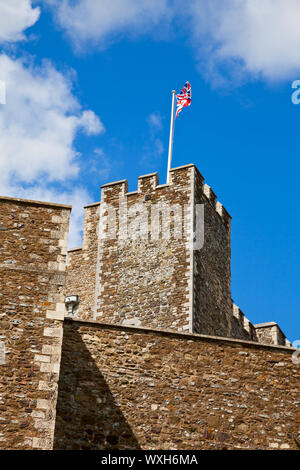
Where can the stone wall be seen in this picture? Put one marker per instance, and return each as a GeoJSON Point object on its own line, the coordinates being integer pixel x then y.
{"type": "Point", "coordinates": [138, 281]}
{"type": "Point", "coordinates": [155, 282]}
{"type": "Point", "coordinates": [212, 266]}
{"type": "Point", "coordinates": [33, 248]}
{"type": "Point", "coordinates": [82, 262]}
{"type": "Point", "coordinates": [124, 387]}
{"type": "Point", "coordinates": [181, 283]}
{"type": "Point", "coordinates": [141, 280]}
{"type": "Point", "coordinates": [270, 333]}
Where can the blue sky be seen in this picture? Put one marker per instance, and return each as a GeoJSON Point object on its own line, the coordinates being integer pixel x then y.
{"type": "Point", "coordinates": [88, 94]}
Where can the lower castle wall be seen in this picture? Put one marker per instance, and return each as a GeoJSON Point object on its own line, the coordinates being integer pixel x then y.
{"type": "Point", "coordinates": [123, 387]}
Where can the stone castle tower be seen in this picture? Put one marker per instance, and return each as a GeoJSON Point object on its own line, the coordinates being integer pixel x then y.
{"type": "Point", "coordinates": [155, 334]}
{"type": "Point", "coordinates": [160, 257]}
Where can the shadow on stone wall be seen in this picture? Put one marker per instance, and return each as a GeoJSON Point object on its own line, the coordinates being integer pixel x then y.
{"type": "Point", "coordinates": [88, 417]}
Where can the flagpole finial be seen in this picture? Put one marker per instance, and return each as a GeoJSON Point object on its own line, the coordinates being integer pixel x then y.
{"type": "Point", "coordinates": [173, 91]}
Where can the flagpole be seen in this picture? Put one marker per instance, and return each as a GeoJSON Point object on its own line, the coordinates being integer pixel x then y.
{"type": "Point", "coordinates": [171, 137]}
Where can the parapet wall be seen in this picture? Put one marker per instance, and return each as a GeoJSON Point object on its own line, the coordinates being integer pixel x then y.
{"type": "Point", "coordinates": [242, 328]}
{"type": "Point", "coordinates": [270, 333]}
{"type": "Point", "coordinates": [33, 248]}
{"type": "Point", "coordinates": [135, 388]}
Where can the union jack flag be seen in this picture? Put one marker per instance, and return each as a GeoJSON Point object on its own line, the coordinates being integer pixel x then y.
{"type": "Point", "coordinates": [184, 98]}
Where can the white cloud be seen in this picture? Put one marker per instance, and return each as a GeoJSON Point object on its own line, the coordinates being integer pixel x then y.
{"type": "Point", "coordinates": [239, 39]}
{"type": "Point", "coordinates": [38, 126]}
{"type": "Point", "coordinates": [39, 122]}
{"type": "Point", "coordinates": [101, 21]}
{"type": "Point", "coordinates": [102, 164]}
{"type": "Point", "coordinates": [15, 17]}
{"type": "Point", "coordinates": [155, 121]}
{"type": "Point", "coordinates": [246, 38]}
{"type": "Point", "coordinates": [155, 147]}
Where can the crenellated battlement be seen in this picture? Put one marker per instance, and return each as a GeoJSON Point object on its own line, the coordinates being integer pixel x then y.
{"type": "Point", "coordinates": [248, 326]}
{"type": "Point", "coordinates": [211, 196]}
{"type": "Point", "coordinates": [220, 209]}
{"type": "Point", "coordinates": [112, 191]}
{"type": "Point", "coordinates": [265, 333]}
{"type": "Point", "coordinates": [146, 184]}
{"type": "Point", "coordinates": [241, 327]}
{"type": "Point", "coordinates": [149, 183]}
